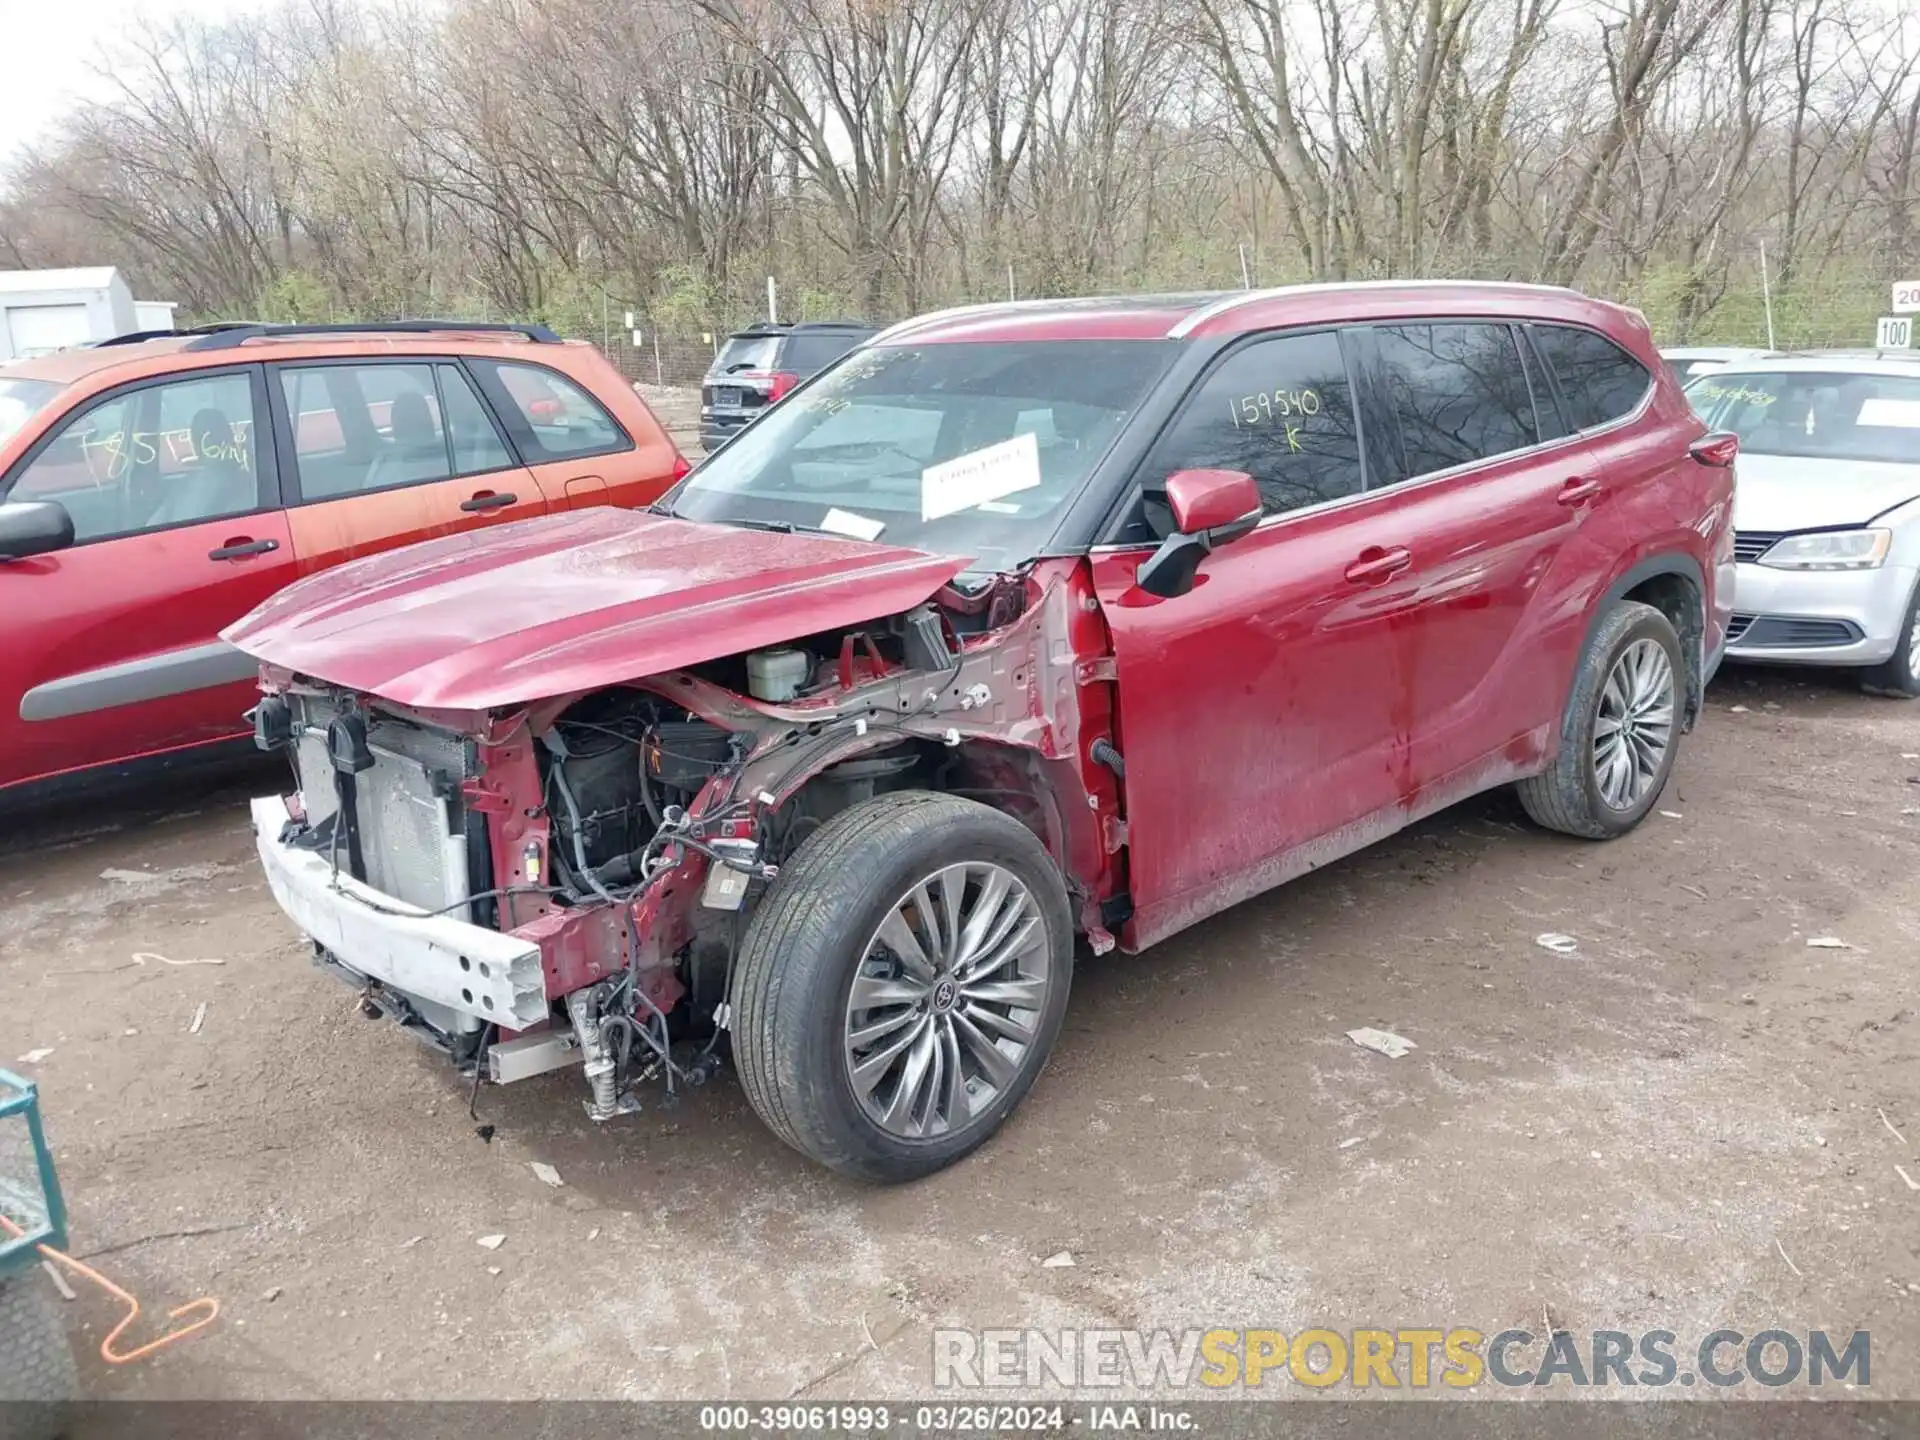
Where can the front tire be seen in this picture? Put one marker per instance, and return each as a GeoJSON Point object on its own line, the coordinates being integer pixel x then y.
{"type": "Point", "coordinates": [900, 986]}
{"type": "Point", "coordinates": [1898, 676]}
{"type": "Point", "coordinates": [1620, 730]}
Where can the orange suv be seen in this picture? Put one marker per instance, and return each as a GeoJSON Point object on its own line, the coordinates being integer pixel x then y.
{"type": "Point", "coordinates": [155, 488]}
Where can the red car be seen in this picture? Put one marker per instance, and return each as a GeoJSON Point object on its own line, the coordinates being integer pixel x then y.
{"type": "Point", "coordinates": [1024, 624]}
{"type": "Point", "coordinates": [153, 490]}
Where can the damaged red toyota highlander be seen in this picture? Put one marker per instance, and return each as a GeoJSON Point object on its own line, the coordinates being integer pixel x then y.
{"type": "Point", "coordinates": [1023, 623]}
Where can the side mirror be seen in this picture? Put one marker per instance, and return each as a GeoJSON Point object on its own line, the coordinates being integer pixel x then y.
{"type": "Point", "coordinates": [1210, 508]}
{"type": "Point", "coordinates": [33, 527]}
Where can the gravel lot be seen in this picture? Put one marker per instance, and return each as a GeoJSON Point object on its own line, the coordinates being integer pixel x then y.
{"type": "Point", "coordinates": [1679, 1125]}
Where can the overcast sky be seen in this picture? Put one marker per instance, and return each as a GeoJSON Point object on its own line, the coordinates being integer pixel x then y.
{"type": "Point", "coordinates": [49, 49]}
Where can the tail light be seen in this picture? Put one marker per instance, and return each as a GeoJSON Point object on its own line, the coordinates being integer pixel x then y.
{"type": "Point", "coordinates": [681, 467]}
{"type": "Point", "coordinates": [779, 382]}
{"type": "Point", "coordinates": [1719, 449]}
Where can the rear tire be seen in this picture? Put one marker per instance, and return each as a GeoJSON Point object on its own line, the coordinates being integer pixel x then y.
{"type": "Point", "coordinates": [1898, 676]}
{"type": "Point", "coordinates": [952, 919]}
{"type": "Point", "coordinates": [1620, 730]}
{"type": "Point", "coordinates": [38, 1380]}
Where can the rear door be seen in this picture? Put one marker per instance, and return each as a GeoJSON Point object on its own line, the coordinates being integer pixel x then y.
{"type": "Point", "coordinates": [112, 650]}
{"type": "Point", "coordinates": [1263, 715]}
{"type": "Point", "coordinates": [578, 451]}
{"type": "Point", "coordinates": [384, 453]}
{"type": "Point", "coordinates": [1487, 498]}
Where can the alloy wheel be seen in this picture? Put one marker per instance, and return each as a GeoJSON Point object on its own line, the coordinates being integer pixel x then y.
{"type": "Point", "coordinates": [1634, 725]}
{"type": "Point", "coordinates": [947, 1000]}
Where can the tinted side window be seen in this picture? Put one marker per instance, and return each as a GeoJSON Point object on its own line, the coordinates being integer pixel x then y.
{"type": "Point", "coordinates": [358, 428]}
{"type": "Point", "coordinates": [169, 454]}
{"type": "Point", "coordinates": [814, 351]}
{"type": "Point", "coordinates": [550, 417]}
{"type": "Point", "coordinates": [1458, 391]}
{"type": "Point", "coordinates": [1599, 381]}
{"type": "Point", "coordinates": [1280, 410]}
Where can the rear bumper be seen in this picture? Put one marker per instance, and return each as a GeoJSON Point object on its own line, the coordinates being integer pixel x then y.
{"type": "Point", "coordinates": [448, 963]}
{"type": "Point", "coordinates": [1872, 602]}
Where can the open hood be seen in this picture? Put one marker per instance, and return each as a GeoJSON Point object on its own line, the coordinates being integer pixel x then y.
{"type": "Point", "coordinates": [572, 602]}
{"type": "Point", "coordinates": [1785, 492]}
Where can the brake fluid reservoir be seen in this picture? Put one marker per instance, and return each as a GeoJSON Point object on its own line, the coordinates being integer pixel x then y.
{"type": "Point", "coordinates": [777, 675]}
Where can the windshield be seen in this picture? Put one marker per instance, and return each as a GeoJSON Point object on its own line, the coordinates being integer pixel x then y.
{"type": "Point", "coordinates": [1693, 369]}
{"type": "Point", "coordinates": [20, 400]}
{"type": "Point", "coordinates": [964, 449]}
{"type": "Point", "coordinates": [1815, 414]}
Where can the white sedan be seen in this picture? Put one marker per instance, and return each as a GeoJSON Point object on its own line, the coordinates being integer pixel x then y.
{"type": "Point", "coordinates": [1827, 511]}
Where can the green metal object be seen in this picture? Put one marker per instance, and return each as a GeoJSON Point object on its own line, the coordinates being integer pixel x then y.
{"type": "Point", "coordinates": [29, 1189]}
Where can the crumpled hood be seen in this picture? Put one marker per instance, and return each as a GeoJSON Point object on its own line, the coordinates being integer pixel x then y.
{"type": "Point", "coordinates": [1784, 492]}
{"type": "Point", "coordinates": [571, 602]}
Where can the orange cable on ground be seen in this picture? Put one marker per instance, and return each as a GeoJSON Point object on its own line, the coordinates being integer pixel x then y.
{"type": "Point", "coordinates": [208, 1307]}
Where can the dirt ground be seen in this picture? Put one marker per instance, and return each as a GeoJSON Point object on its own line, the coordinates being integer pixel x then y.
{"type": "Point", "coordinates": [1679, 1125]}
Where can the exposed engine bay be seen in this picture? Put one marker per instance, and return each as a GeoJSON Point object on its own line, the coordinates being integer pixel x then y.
{"type": "Point", "coordinates": [619, 840]}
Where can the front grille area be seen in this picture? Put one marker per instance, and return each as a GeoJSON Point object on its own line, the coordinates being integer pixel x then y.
{"type": "Point", "coordinates": [412, 829]}
{"type": "Point", "coordinates": [1750, 545]}
{"type": "Point", "coordinates": [1785, 632]}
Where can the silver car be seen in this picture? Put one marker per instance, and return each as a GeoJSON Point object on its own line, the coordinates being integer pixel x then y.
{"type": "Point", "coordinates": [1690, 362]}
{"type": "Point", "coordinates": [1827, 511]}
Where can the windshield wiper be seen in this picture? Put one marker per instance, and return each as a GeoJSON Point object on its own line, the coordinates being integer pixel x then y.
{"type": "Point", "coordinates": [779, 527]}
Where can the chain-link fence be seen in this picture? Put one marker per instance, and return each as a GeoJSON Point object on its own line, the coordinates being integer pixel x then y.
{"type": "Point", "coordinates": [677, 360]}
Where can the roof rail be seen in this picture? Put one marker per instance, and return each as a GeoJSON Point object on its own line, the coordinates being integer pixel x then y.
{"type": "Point", "coordinates": [231, 336]}
{"type": "Point", "coordinates": [1235, 299]}
{"type": "Point", "coordinates": [933, 317]}
{"type": "Point", "coordinates": [138, 337]}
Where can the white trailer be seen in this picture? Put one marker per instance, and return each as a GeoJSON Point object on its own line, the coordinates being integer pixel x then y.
{"type": "Point", "coordinates": [153, 314]}
{"type": "Point", "coordinates": [42, 311]}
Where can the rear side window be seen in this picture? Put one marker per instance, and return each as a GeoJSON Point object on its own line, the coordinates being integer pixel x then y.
{"type": "Point", "coordinates": [549, 416]}
{"type": "Point", "coordinates": [1280, 410]}
{"type": "Point", "coordinates": [477, 446]}
{"type": "Point", "coordinates": [360, 428]}
{"type": "Point", "coordinates": [812, 352]}
{"type": "Point", "coordinates": [1458, 391]}
{"type": "Point", "coordinates": [1599, 382]}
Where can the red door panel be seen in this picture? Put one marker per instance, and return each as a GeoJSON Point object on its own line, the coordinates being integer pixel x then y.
{"type": "Point", "coordinates": [334, 531]}
{"type": "Point", "coordinates": [113, 650]}
{"type": "Point", "coordinates": [581, 492]}
{"type": "Point", "coordinates": [1265, 710]}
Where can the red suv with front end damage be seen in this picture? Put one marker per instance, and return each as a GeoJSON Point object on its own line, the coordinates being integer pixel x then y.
{"type": "Point", "coordinates": [1024, 623]}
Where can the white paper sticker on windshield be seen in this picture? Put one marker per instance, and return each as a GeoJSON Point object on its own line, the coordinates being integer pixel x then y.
{"type": "Point", "coordinates": [978, 476]}
{"type": "Point", "coordinates": [1881, 410]}
{"type": "Point", "coordinates": [860, 527]}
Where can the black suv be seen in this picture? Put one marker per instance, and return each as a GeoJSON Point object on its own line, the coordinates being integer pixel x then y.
{"type": "Point", "coordinates": [763, 362]}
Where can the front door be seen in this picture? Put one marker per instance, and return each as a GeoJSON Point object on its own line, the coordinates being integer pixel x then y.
{"type": "Point", "coordinates": [384, 453]}
{"type": "Point", "coordinates": [1264, 716]}
{"type": "Point", "coordinates": [112, 648]}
